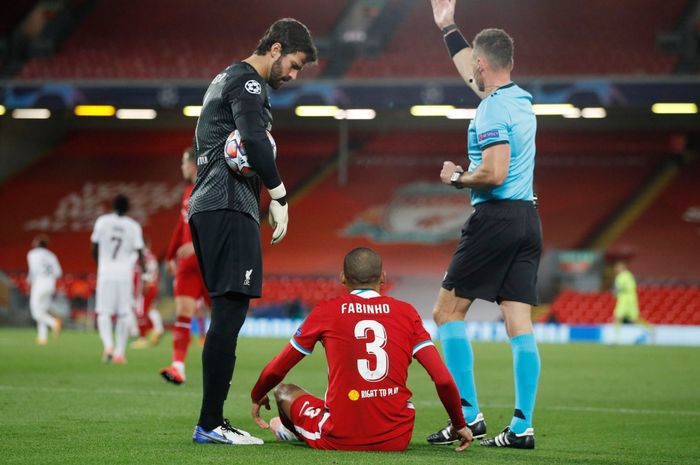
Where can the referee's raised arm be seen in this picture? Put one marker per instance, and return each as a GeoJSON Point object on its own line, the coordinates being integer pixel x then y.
{"type": "Point", "coordinates": [457, 45]}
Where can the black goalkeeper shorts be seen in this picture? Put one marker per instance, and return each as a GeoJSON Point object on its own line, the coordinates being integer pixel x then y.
{"type": "Point", "coordinates": [499, 253]}
{"type": "Point", "coordinates": [227, 244]}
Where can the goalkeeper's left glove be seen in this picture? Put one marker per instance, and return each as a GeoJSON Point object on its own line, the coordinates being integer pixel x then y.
{"type": "Point", "coordinates": [278, 214]}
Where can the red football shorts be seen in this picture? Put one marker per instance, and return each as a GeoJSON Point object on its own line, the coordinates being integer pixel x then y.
{"type": "Point", "coordinates": [311, 419]}
{"type": "Point", "coordinates": [149, 295]}
{"type": "Point", "coordinates": [189, 281]}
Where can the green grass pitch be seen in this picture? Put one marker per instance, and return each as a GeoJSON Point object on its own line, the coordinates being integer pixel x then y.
{"type": "Point", "coordinates": [596, 405]}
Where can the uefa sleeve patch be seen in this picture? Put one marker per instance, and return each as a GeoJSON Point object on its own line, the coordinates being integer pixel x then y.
{"type": "Point", "coordinates": [488, 135]}
{"type": "Point", "coordinates": [253, 87]}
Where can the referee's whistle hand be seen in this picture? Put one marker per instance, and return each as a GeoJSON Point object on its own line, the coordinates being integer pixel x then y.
{"type": "Point", "coordinates": [446, 173]}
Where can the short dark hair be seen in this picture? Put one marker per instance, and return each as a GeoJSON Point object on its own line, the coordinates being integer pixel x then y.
{"type": "Point", "coordinates": [41, 240]}
{"type": "Point", "coordinates": [362, 266]}
{"type": "Point", "coordinates": [121, 204]}
{"type": "Point", "coordinates": [191, 157]}
{"type": "Point", "coordinates": [292, 35]}
{"type": "Point", "coordinates": [497, 45]}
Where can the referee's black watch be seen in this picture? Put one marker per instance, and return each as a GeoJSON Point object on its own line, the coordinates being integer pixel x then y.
{"type": "Point", "coordinates": [454, 179]}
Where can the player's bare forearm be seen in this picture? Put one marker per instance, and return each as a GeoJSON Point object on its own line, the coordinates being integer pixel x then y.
{"type": "Point", "coordinates": [492, 171]}
{"type": "Point", "coordinates": [444, 16]}
{"type": "Point", "coordinates": [480, 178]}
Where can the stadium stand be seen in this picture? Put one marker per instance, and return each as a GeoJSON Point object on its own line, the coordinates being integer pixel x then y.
{"type": "Point", "coordinates": [664, 238]}
{"type": "Point", "coordinates": [607, 170]}
{"type": "Point", "coordinates": [281, 292]}
{"type": "Point", "coordinates": [12, 14]}
{"type": "Point", "coordinates": [145, 163]}
{"type": "Point", "coordinates": [669, 304]}
{"type": "Point", "coordinates": [537, 28]}
{"type": "Point", "coordinates": [173, 38]}
{"type": "Point", "coordinates": [85, 172]}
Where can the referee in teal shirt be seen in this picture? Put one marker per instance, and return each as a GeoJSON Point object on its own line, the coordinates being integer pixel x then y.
{"type": "Point", "coordinates": [499, 251]}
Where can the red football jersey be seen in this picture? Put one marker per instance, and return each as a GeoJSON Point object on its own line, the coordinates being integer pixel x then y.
{"type": "Point", "coordinates": [369, 342]}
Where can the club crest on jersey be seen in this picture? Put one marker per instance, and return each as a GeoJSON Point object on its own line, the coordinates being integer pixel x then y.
{"type": "Point", "coordinates": [253, 87]}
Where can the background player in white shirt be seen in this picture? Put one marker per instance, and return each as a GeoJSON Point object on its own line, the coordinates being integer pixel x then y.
{"type": "Point", "coordinates": [44, 269]}
{"type": "Point", "coordinates": [114, 240]}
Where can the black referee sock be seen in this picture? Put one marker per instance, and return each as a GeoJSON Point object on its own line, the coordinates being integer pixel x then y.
{"type": "Point", "coordinates": [219, 356]}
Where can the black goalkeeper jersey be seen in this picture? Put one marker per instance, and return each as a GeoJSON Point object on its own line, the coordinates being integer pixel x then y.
{"type": "Point", "coordinates": [237, 98]}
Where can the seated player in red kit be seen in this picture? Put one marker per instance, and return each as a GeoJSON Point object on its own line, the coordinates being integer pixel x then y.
{"type": "Point", "coordinates": [369, 342]}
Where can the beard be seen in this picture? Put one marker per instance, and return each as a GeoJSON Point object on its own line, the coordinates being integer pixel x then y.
{"type": "Point", "coordinates": [277, 77]}
{"type": "Point", "coordinates": [479, 80]}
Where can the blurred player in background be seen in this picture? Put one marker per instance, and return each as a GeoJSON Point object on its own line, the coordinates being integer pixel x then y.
{"type": "Point", "coordinates": [369, 341]}
{"type": "Point", "coordinates": [115, 238]}
{"type": "Point", "coordinates": [225, 208]}
{"type": "Point", "coordinates": [625, 290]}
{"type": "Point", "coordinates": [189, 285]}
{"type": "Point", "coordinates": [44, 269]}
{"type": "Point", "coordinates": [147, 316]}
{"type": "Point", "coordinates": [626, 300]}
{"type": "Point", "coordinates": [499, 251]}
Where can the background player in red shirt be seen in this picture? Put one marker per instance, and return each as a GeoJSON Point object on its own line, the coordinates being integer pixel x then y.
{"type": "Point", "coordinates": [369, 341]}
{"type": "Point", "coordinates": [189, 285]}
{"type": "Point", "coordinates": [147, 316]}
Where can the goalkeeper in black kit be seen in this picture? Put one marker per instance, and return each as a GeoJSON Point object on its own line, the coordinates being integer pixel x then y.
{"type": "Point", "coordinates": [224, 207]}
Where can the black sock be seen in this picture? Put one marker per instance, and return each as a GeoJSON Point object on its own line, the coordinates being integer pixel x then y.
{"type": "Point", "coordinates": [219, 356]}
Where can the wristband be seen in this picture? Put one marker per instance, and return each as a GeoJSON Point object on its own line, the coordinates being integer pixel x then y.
{"type": "Point", "coordinates": [455, 42]}
{"type": "Point", "coordinates": [447, 29]}
{"type": "Point", "coordinates": [278, 192]}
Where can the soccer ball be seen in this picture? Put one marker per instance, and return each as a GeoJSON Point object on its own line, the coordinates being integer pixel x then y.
{"type": "Point", "coordinates": [236, 157]}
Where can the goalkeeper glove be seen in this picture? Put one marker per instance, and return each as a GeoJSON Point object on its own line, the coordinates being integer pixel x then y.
{"type": "Point", "coordinates": [278, 214]}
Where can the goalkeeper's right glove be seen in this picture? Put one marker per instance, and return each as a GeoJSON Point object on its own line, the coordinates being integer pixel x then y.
{"type": "Point", "coordinates": [278, 214]}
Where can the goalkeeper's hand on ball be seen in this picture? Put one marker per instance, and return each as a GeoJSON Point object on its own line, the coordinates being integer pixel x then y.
{"type": "Point", "coordinates": [278, 214]}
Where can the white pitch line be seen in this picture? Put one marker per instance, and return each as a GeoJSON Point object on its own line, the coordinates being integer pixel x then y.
{"type": "Point", "coordinates": [177, 391]}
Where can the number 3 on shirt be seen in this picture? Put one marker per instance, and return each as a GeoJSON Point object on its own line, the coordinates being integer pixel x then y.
{"type": "Point", "coordinates": [375, 347]}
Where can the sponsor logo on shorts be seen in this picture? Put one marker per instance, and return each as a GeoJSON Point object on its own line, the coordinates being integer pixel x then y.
{"type": "Point", "coordinates": [253, 87]}
{"type": "Point", "coordinates": [487, 135]}
{"type": "Point", "coordinates": [246, 281]}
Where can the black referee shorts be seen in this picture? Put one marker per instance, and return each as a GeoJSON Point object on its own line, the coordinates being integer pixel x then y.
{"type": "Point", "coordinates": [499, 253]}
{"type": "Point", "coordinates": [227, 244]}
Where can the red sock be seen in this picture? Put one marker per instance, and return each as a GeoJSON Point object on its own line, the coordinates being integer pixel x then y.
{"type": "Point", "coordinates": [144, 324]}
{"type": "Point", "coordinates": [181, 338]}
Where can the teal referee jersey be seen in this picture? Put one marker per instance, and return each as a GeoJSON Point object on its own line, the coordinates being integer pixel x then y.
{"type": "Point", "coordinates": [505, 117]}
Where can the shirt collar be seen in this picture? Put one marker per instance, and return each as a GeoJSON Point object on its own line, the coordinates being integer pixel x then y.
{"type": "Point", "coordinates": [366, 293]}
